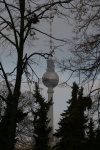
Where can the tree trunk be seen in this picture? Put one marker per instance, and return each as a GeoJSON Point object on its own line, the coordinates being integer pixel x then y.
{"type": "Point", "coordinates": [12, 126]}
{"type": "Point", "coordinates": [16, 94]}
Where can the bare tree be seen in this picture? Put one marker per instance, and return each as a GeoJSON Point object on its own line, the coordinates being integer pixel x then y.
{"type": "Point", "coordinates": [85, 42]}
{"type": "Point", "coordinates": [18, 24]}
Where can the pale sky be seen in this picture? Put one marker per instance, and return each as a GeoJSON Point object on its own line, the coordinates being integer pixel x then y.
{"type": "Point", "coordinates": [61, 29]}
{"type": "Point", "coordinates": [61, 94]}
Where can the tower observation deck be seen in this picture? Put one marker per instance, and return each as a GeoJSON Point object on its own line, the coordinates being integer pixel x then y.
{"type": "Point", "coordinates": [50, 79]}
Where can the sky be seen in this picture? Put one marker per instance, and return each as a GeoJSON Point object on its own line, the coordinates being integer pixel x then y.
{"type": "Point", "coordinates": [60, 29]}
{"type": "Point", "coordinates": [61, 94]}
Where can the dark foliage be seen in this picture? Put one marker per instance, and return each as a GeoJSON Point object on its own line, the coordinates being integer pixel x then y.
{"type": "Point", "coordinates": [4, 126]}
{"type": "Point", "coordinates": [73, 124]}
{"type": "Point", "coordinates": [97, 137]}
{"type": "Point", "coordinates": [41, 129]}
{"type": "Point", "coordinates": [91, 135]}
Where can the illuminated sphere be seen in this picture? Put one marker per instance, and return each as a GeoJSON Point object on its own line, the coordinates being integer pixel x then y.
{"type": "Point", "coordinates": [50, 79]}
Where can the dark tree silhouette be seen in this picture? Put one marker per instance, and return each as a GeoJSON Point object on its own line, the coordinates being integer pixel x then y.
{"type": "Point", "coordinates": [73, 124]}
{"type": "Point", "coordinates": [97, 137]}
{"type": "Point", "coordinates": [42, 131]}
{"type": "Point", "coordinates": [91, 135]}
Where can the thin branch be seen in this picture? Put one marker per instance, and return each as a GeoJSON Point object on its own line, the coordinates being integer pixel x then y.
{"type": "Point", "coordinates": [8, 39]}
{"type": "Point", "coordinates": [33, 71]}
{"type": "Point", "coordinates": [5, 100]}
{"type": "Point", "coordinates": [49, 35]}
{"type": "Point", "coordinates": [47, 8]}
{"type": "Point", "coordinates": [5, 21]}
{"type": "Point", "coordinates": [6, 80]}
{"type": "Point", "coordinates": [13, 26]}
{"type": "Point", "coordinates": [8, 23]}
{"type": "Point", "coordinates": [10, 5]}
{"type": "Point", "coordinates": [12, 71]}
{"type": "Point", "coordinates": [45, 55]}
{"type": "Point", "coordinates": [27, 32]}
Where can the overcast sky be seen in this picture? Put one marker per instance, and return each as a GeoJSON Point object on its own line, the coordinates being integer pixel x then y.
{"type": "Point", "coordinates": [60, 30]}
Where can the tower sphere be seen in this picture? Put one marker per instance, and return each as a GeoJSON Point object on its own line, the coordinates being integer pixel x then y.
{"type": "Point", "coordinates": [50, 79]}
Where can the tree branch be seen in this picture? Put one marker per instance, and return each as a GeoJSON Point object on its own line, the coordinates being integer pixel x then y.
{"type": "Point", "coordinates": [48, 6]}
{"type": "Point", "coordinates": [5, 100]}
{"type": "Point", "coordinates": [6, 80]}
{"type": "Point", "coordinates": [13, 26]}
{"type": "Point", "coordinates": [7, 39]}
{"type": "Point", "coordinates": [49, 35]}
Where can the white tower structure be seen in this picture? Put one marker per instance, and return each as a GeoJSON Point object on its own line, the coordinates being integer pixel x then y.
{"type": "Point", "coordinates": [50, 79]}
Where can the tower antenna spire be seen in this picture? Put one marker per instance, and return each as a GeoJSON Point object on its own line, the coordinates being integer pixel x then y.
{"type": "Point", "coordinates": [51, 20]}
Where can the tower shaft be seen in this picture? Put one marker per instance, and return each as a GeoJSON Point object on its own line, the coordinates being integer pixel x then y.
{"type": "Point", "coordinates": [50, 113]}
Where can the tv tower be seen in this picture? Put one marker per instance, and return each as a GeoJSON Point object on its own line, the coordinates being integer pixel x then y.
{"type": "Point", "coordinates": [50, 79]}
